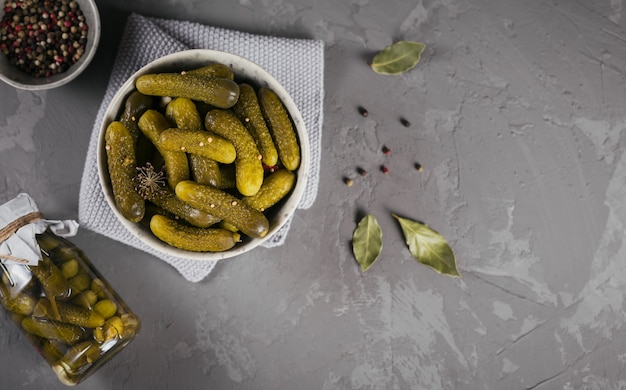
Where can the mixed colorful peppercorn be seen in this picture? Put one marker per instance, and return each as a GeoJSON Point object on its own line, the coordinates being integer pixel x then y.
{"type": "Point", "coordinates": [43, 37]}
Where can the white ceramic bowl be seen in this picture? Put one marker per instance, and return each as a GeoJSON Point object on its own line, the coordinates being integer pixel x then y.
{"type": "Point", "coordinates": [14, 76]}
{"type": "Point", "coordinates": [244, 70]}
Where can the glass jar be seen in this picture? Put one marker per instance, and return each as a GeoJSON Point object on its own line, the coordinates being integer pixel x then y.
{"type": "Point", "coordinates": [65, 308]}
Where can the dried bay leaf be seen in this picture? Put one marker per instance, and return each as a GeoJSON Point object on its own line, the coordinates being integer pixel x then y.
{"type": "Point", "coordinates": [398, 57]}
{"type": "Point", "coordinates": [367, 241]}
{"type": "Point", "coordinates": [428, 247]}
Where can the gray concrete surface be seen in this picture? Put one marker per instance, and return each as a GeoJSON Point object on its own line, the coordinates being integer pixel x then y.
{"type": "Point", "coordinates": [517, 113]}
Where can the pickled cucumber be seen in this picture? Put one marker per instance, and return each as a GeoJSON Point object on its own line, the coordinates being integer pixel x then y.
{"type": "Point", "coordinates": [227, 180]}
{"type": "Point", "coordinates": [249, 112]}
{"type": "Point", "coordinates": [214, 70]}
{"type": "Point", "coordinates": [105, 307]}
{"type": "Point", "coordinates": [52, 350]}
{"type": "Point", "coordinates": [85, 299]}
{"type": "Point", "coordinates": [248, 166]}
{"type": "Point", "coordinates": [48, 242]}
{"type": "Point", "coordinates": [184, 113]}
{"type": "Point", "coordinates": [69, 314]}
{"type": "Point", "coordinates": [117, 323]}
{"type": "Point", "coordinates": [99, 288]}
{"type": "Point", "coordinates": [168, 201]}
{"type": "Point", "coordinates": [204, 170]}
{"type": "Point", "coordinates": [152, 123]}
{"type": "Point", "coordinates": [225, 206]}
{"type": "Point", "coordinates": [281, 128]}
{"type": "Point", "coordinates": [69, 268]}
{"type": "Point", "coordinates": [122, 169]}
{"type": "Point", "coordinates": [20, 303]}
{"type": "Point", "coordinates": [203, 143]}
{"type": "Point", "coordinates": [65, 333]}
{"type": "Point", "coordinates": [191, 238]}
{"type": "Point", "coordinates": [136, 104]}
{"type": "Point", "coordinates": [80, 356]}
{"type": "Point", "coordinates": [79, 283]}
{"type": "Point", "coordinates": [216, 91]}
{"type": "Point", "coordinates": [54, 285]}
{"type": "Point", "coordinates": [275, 187]}
{"type": "Point", "coordinates": [113, 328]}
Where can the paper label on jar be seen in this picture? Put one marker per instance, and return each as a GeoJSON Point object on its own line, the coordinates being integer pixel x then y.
{"type": "Point", "coordinates": [20, 246]}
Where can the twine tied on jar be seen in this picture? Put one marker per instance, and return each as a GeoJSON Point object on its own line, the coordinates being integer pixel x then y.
{"type": "Point", "coordinates": [13, 227]}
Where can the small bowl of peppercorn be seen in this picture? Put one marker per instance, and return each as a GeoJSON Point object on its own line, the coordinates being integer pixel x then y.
{"type": "Point", "coordinates": [46, 44]}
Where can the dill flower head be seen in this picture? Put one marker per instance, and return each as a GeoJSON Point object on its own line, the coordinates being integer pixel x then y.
{"type": "Point", "coordinates": [149, 182]}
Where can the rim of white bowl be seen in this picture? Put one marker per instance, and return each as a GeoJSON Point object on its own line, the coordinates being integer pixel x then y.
{"type": "Point", "coordinates": [243, 69]}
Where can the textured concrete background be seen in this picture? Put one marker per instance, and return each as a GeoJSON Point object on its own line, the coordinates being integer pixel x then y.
{"type": "Point", "coordinates": [517, 113]}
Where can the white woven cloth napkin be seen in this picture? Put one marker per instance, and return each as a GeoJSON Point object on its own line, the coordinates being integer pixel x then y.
{"type": "Point", "coordinates": [298, 64]}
